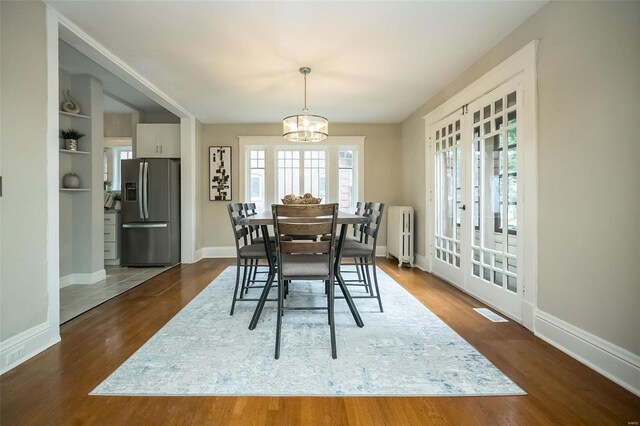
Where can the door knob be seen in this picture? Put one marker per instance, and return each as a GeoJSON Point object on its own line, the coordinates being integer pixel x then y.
{"type": "Point", "coordinates": [464, 207]}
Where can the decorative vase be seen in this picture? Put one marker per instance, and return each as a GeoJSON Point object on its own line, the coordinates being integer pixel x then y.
{"type": "Point", "coordinates": [69, 104]}
{"type": "Point", "coordinates": [71, 180]}
{"type": "Point", "coordinates": [71, 144]}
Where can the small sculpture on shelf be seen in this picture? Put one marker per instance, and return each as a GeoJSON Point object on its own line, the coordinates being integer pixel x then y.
{"type": "Point", "coordinates": [305, 199]}
{"type": "Point", "coordinates": [69, 104]}
{"type": "Point", "coordinates": [70, 137]}
{"type": "Point", "coordinates": [71, 181]}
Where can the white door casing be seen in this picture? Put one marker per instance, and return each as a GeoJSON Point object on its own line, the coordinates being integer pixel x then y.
{"type": "Point", "coordinates": [519, 72]}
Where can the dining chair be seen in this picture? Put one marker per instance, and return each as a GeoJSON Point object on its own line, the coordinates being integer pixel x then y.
{"type": "Point", "coordinates": [364, 251]}
{"type": "Point", "coordinates": [305, 259]}
{"type": "Point", "coordinates": [357, 236]}
{"type": "Point", "coordinates": [247, 253]}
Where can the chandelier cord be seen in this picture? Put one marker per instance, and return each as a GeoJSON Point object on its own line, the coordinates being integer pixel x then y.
{"type": "Point", "coordinates": [305, 94]}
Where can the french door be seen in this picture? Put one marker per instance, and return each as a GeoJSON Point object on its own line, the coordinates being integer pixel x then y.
{"type": "Point", "coordinates": [476, 198]}
{"type": "Point", "coordinates": [448, 253]}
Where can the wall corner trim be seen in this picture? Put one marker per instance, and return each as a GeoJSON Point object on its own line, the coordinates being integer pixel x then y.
{"type": "Point", "coordinates": [608, 359]}
{"type": "Point", "coordinates": [80, 278]}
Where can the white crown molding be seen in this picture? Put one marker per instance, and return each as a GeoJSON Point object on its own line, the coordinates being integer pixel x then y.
{"type": "Point", "coordinates": [608, 359]}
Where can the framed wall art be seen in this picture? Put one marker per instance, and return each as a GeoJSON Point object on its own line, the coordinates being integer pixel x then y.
{"type": "Point", "coordinates": [220, 173]}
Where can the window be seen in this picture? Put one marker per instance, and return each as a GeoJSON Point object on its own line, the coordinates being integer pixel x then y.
{"type": "Point", "coordinates": [315, 173]}
{"type": "Point", "coordinates": [272, 168]}
{"type": "Point", "coordinates": [112, 158]}
{"type": "Point", "coordinates": [346, 180]}
{"type": "Point", "coordinates": [257, 178]}
{"type": "Point", "coordinates": [288, 172]}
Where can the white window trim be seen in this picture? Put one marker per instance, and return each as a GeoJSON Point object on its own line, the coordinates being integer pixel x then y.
{"type": "Point", "coordinates": [523, 65]}
{"type": "Point", "coordinates": [272, 143]}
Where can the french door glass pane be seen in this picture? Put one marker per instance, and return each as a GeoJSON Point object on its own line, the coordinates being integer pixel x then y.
{"type": "Point", "coordinates": [448, 192]}
{"type": "Point", "coordinates": [494, 177]}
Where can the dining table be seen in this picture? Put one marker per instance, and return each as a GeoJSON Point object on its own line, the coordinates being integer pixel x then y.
{"type": "Point", "coordinates": [264, 220]}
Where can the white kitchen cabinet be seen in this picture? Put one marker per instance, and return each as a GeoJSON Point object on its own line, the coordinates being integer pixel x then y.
{"type": "Point", "coordinates": [111, 237]}
{"type": "Point", "coordinates": [158, 141]}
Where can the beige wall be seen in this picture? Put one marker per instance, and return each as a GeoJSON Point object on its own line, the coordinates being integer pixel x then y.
{"type": "Point", "coordinates": [23, 133]}
{"type": "Point", "coordinates": [381, 171]}
{"type": "Point", "coordinates": [118, 124]}
{"type": "Point", "coordinates": [589, 151]}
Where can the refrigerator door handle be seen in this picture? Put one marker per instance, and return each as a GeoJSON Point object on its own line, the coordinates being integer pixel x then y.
{"type": "Point", "coordinates": [144, 225]}
{"type": "Point", "coordinates": [140, 191]}
{"type": "Point", "coordinates": [145, 178]}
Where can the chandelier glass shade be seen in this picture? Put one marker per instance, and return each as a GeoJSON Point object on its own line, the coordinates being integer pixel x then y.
{"type": "Point", "coordinates": [305, 128]}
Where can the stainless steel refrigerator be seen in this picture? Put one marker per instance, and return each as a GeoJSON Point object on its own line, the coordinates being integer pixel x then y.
{"type": "Point", "coordinates": [150, 212]}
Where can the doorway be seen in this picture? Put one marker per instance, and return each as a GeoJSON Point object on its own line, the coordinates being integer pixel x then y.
{"type": "Point", "coordinates": [484, 158]}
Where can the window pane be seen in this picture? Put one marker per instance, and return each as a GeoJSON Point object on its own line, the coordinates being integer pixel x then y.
{"type": "Point", "coordinates": [257, 179]}
{"type": "Point", "coordinates": [346, 189]}
{"type": "Point", "coordinates": [315, 174]}
{"type": "Point", "coordinates": [288, 173]}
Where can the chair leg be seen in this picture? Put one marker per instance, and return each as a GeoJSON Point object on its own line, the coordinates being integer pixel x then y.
{"type": "Point", "coordinates": [365, 263]}
{"type": "Point", "coordinates": [279, 316]}
{"type": "Point", "coordinates": [263, 298]}
{"type": "Point", "coordinates": [357, 266]}
{"type": "Point", "coordinates": [367, 283]}
{"type": "Point", "coordinates": [332, 322]}
{"type": "Point", "coordinates": [245, 281]}
{"type": "Point", "coordinates": [235, 292]}
{"type": "Point", "coordinates": [326, 291]}
{"type": "Point", "coordinates": [255, 270]}
{"type": "Point", "coordinates": [375, 280]}
{"type": "Point", "coordinates": [249, 275]}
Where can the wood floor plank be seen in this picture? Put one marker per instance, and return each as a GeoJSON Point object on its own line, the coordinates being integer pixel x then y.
{"type": "Point", "coordinates": [52, 388]}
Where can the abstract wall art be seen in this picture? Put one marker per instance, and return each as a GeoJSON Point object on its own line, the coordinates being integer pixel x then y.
{"type": "Point", "coordinates": [220, 173]}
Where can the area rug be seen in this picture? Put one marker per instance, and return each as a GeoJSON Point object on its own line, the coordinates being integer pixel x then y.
{"type": "Point", "coordinates": [405, 351]}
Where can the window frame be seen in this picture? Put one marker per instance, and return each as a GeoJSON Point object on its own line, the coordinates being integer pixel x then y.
{"type": "Point", "coordinates": [272, 144]}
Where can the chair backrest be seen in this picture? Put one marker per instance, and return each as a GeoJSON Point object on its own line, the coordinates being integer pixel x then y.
{"type": "Point", "coordinates": [370, 230]}
{"type": "Point", "coordinates": [357, 228]}
{"type": "Point", "coordinates": [240, 232]}
{"type": "Point", "coordinates": [303, 220]}
{"type": "Point", "coordinates": [254, 230]}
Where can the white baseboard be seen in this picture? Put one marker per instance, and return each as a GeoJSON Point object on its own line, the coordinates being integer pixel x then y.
{"type": "Point", "coordinates": [82, 278]}
{"type": "Point", "coordinates": [612, 361]}
{"type": "Point", "coordinates": [28, 343]}
{"type": "Point", "coordinates": [216, 252]}
{"type": "Point", "coordinates": [421, 262]}
{"type": "Point", "coordinates": [112, 262]}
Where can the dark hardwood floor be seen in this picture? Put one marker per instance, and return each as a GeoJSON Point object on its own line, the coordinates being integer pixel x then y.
{"type": "Point", "coordinates": [52, 388]}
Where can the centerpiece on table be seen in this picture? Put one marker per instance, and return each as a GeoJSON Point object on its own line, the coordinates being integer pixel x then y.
{"type": "Point", "coordinates": [305, 199]}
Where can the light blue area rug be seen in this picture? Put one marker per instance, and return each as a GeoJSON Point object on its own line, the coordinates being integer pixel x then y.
{"type": "Point", "coordinates": [405, 351]}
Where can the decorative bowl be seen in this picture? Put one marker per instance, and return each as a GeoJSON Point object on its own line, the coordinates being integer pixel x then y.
{"type": "Point", "coordinates": [305, 199]}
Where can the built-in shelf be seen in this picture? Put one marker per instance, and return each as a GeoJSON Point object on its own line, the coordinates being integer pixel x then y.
{"type": "Point", "coordinates": [68, 151]}
{"type": "Point", "coordinates": [75, 189]}
{"type": "Point", "coordinates": [70, 114]}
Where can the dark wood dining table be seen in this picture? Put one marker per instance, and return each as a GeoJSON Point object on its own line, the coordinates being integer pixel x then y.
{"type": "Point", "coordinates": [264, 220]}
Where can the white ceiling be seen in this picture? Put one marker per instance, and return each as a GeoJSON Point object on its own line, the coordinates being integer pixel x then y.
{"type": "Point", "coordinates": [229, 62]}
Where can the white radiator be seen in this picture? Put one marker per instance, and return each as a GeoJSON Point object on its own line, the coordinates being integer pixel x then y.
{"type": "Point", "coordinates": [400, 234]}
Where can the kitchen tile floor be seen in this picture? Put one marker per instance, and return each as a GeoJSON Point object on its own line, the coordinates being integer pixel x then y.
{"type": "Point", "coordinates": [78, 298]}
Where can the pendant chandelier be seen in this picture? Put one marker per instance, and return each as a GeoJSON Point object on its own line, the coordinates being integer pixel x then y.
{"type": "Point", "coordinates": [305, 128]}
